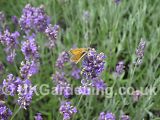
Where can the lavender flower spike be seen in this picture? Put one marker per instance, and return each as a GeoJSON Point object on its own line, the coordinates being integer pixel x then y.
{"type": "Point", "coordinates": [120, 68]}
{"type": "Point", "coordinates": [10, 84]}
{"type": "Point", "coordinates": [2, 17]}
{"type": "Point", "coordinates": [67, 110]}
{"type": "Point", "coordinates": [75, 73]}
{"type": "Point", "coordinates": [34, 19]}
{"type": "Point", "coordinates": [137, 94]}
{"type": "Point", "coordinates": [10, 42]}
{"type": "Point", "coordinates": [25, 93]}
{"type": "Point", "coordinates": [93, 64]}
{"type": "Point", "coordinates": [140, 51]}
{"type": "Point", "coordinates": [62, 59]}
{"type": "Point", "coordinates": [15, 20]}
{"type": "Point", "coordinates": [98, 83]}
{"type": "Point", "coordinates": [106, 116]}
{"type": "Point", "coordinates": [86, 16]}
{"type": "Point", "coordinates": [5, 112]}
{"type": "Point", "coordinates": [62, 85]}
{"type": "Point", "coordinates": [117, 1]}
{"type": "Point", "coordinates": [84, 90]}
{"type": "Point", "coordinates": [28, 69]}
{"type": "Point", "coordinates": [125, 117]}
{"type": "Point", "coordinates": [1, 67]}
{"type": "Point", "coordinates": [38, 117]}
{"type": "Point", "coordinates": [30, 49]}
{"type": "Point", "coordinates": [52, 32]}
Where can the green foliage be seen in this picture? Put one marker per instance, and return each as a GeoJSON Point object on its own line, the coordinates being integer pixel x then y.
{"type": "Point", "coordinates": [116, 30]}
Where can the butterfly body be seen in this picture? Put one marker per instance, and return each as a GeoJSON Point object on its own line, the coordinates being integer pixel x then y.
{"type": "Point", "coordinates": [78, 54]}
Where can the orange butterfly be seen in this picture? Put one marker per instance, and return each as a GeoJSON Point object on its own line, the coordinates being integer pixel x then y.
{"type": "Point", "coordinates": [78, 54]}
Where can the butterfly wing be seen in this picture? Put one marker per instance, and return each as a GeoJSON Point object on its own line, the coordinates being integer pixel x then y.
{"type": "Point", "coordinates": [78, 51]}
{"type": "Point", "coordinates": [77, 58]}
{"type": "Point", "coordinates": [77, 54]}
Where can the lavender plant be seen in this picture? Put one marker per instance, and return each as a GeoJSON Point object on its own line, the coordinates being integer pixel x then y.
{"type": "Point", "coordinates": [32, 43]}
{"type": "Point", "coordinates": [28, 69]}
{"type": "Point", "coordinates": [25, 93]}
{"type": "Point", "coordinates": [2, 17]}
{"type": "Point", "coordinates": [93, 64]}
{"type": "Point", "coordinates": [120, 68]}
{"type": "Point", "coordinates": [125, 117]}
{"type": "Point", "coordinates": [30, 49]}
{"type": "Point", "coordinates": [62, 85]}
{"type": "Point", "coordinates": [5, 112]}
{"type": "Point", "coordinates": [52, 33]}
{"type": "Point", "coordinates": [140, 52]}
{"type": "Point", "coordinates": [92, 67]}
{"type": "Point", "coordinates": [38, 116]}
{"type": "Point", "coordinates": [62, 59]}
{"type": "Point", "coordinates": [10, 84]}
{"type": "Point", "coordinates": [67, 110]}
{"type": "Point", "coordinates": [10, 42]}
{"type": "Point", "coordinates": [34, 19]}
{"type": "Point", "coordinates": [106, 116]}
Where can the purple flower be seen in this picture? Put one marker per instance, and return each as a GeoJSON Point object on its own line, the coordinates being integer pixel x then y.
{"type": "Point", "coordinates": [59, 78]}
{"type": "Point", "coordinates": [120, 68]}
{"type": "Point", "coordinates": [30, 49]}
{"type": "Point", "coordinates": [25, 93]}
{"type": "Point", "coordinates": [66, 90]}
{"type": "Point", "coordinates": [67, 110]}
{"type": "Point", "coordinates": [34, 19]}
{"type": "Point", "coordinates": [140, 51]}
{"type": "Point", "coordinates": [75, 73]}
{"type": "Point", "coordinates": [2, 17]}
{"type": "Point", "coordinates": [117, 1]}
{"type": "Point", "coordinates": [84, 90]}
{"type": "Point", "coordinates": [62, 85]}
{"type": "Point", "coordinates": [10, 84]}
{"type": "Point", "coordinates": [62, 59]}
{"type": "Point", "coordinates": [1, 67]}
{"type": "Point", "coordinates": [125, 117]}
{"type": "Point", "coordinates": [86, 16]}
{"type": "Point", "coordinates": [106, 116]}
{"type": "Point", "coordinates": [98, 83]}
{"type": "Point", "coordinates": [10, 57]}
{"type": "Point", "coordinates": [101, 116]}
{"type": "Point", "coordinates": [92, 67]}
{"type": "Point", "coordinates": [93, 64]}
{"type": "Point", "coordinates": [9, 40]}
{"type": "Point", "coordinates": [136, 95]}
{"type": "Point", "coordinates": [28, 69]}
{"type": "Point", "coordinates": [51, 32]}
{"type": "Point", "coordinates": [5, 112]}
{"type": "Point", "coordinates": [38, 117]}
{"type": "Point", "coordinates": [15, 20]}
{"type": "Point", "coordinates": [85, 82]}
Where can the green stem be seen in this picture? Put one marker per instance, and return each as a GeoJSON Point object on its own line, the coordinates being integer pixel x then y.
{"type": "Point", "coordinates": [131, 80]}
{"type": "Point", "coordinates": [15, 113]}
{"type": "Point", "coordinates": [78, 104]}
{"type": "Point", "coordinates": [80, 101]}
{"type": "Point", "coordinates": [17, 70]}
{"type": "Point", "coordinates": [89, 107]}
